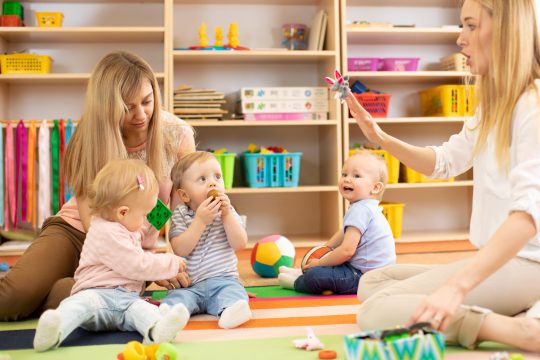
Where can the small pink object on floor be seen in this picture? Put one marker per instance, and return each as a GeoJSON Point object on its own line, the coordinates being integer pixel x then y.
{"type": "Point", "coordinates": [310, 343]}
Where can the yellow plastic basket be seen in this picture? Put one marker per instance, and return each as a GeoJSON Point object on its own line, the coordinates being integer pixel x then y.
{"type": "Point", "coordinates": [448, 100]}
{"type": "Point", "coordinates": [394, 214]}
{"type": "Point", "coordinates": [49, 19]}
{"type": "Point", "coordinates": [392, 163]}
{"type": "Point", "coordinates": [409, 175]}
{"type": "Point", "coordinates": [25, 64]}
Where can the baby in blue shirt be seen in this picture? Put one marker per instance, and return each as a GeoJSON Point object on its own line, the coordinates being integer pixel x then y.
{"type": "Point", "coordinates": [365, 242]}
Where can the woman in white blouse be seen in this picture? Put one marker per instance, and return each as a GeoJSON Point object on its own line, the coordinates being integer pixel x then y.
{"type": "Point", "coordinates": [476, 299]}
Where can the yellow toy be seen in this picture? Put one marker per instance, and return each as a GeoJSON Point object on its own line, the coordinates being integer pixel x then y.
{"type": "Point", "coordinates": [134, 350]}
{"type": "Point", "coordinates": [219, 36]}
{"type": "Point", "coordinates": [203, 40]}
{"type": "Point", "coordinates": [233, 35]}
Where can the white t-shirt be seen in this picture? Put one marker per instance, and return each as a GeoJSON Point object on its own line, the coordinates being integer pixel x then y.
{"type": "Point", "coordinates": [498, 193]}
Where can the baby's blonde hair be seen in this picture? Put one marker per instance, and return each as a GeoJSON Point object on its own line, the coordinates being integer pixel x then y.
{"type": "Point", "coordinates": [185, 162]}
{"type": "Point", "coordinates": [118, 182]}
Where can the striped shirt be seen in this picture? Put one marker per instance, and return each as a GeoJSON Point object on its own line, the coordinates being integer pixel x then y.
{"type": "Point", "coordinates": [213, 255]}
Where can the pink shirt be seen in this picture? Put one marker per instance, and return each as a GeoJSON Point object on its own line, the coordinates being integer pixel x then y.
{"type": "Point", "coordinates": [112, 256]}
{"type": "Point", "coordinates": [175, 131]}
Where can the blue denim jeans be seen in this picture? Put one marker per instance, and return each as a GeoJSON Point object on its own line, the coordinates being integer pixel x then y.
{"type": "Point", "coordinates": [107, 309]}
{"type": "Point", "coordinates": [210, 296]}
{"type": "Point", "coordinates": [342, 279]}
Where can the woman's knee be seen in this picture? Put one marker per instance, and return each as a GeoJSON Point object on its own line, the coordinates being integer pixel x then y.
{"type": "Point", "coordinates": [366, 286]}
{"type": "Point", "coordinates": [16, 301]}
{"type": "Point", "coordinates": [59, 291]}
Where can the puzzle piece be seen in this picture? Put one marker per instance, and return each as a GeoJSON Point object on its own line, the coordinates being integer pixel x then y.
{"type": "Point", "coordinates": [159, 215]}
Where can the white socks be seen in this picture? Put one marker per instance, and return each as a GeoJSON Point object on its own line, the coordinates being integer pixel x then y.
{"type": "Point", "coordinates": [47, 331]}
{"type": "Point", "coordinates": [235, 315]}
{"type": "Point", "coordinates": [174, 320]}
{"type": "Point", "coordinates": [287, 276]}
{"type": "Point", "coordinates": [290, 270]}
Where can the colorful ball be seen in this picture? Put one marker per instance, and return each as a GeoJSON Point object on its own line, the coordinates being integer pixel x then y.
{"type": "Point", "coordinates": [316, 252]}
{"type": "Point", "coordinates": [270, 253]}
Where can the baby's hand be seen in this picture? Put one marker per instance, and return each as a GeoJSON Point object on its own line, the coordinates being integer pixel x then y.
{"type": "Point", "coordinates": [225, 204]}
{"type": "Point", "coordinates": [312, 263]}
{"type": "Point", "coordinates": [182, 266]}
{"type": "Point", "coordinates": [208, 210]}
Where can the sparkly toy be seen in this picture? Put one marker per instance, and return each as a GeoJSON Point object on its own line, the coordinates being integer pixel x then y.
{"type": "Point", "coordinates": [309, 343]}
{"type": "Point", "coordinates": [340, 85]}
{"type": "Point", "coordinates": [271, 252]}
{"type": "Point", "coordinates": [159, 215]}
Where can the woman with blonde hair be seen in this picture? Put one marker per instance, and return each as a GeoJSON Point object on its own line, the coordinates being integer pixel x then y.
{"type": "Point", "coordinates": [477, 299]}
{"type": "Point", "coordinates": [122, 118]}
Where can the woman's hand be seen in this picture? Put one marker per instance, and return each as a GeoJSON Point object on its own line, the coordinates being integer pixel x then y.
{"type": "Point", "coordinates": [439, 307]}
{"type": "Point", "coordinates": [365, 121]}
{"type": "Point", "coordinates": [181, 280]}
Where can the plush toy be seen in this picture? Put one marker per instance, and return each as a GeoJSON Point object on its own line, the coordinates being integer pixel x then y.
{"type": "Point", "coordinates": [340, 85]}
{"type": "Point", "coordinates": [309, 343]}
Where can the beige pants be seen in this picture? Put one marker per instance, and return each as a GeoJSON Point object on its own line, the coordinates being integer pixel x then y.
{"type": "Point", "coordinates": [390, 295]}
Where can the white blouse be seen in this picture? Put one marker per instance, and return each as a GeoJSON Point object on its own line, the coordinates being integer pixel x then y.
{"type": "Point", "coordinates": [498, 193]}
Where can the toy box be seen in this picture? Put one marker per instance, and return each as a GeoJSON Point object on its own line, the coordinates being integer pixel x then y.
{"type": "Point", "coordinates": [283, 106]}
{"type": "Point", "coordinates": [418, 342]}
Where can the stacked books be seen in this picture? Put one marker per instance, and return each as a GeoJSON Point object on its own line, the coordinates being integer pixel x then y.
{"type": "Point", "coordinates": [284, 103]}
{"type": "Point", "coordinates": [198, 104]}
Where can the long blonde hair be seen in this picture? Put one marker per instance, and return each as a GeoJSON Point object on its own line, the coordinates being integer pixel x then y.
{"type": "Point", "coordinates": [98, 136]}
{"type": "Point", "coordinates": [119, 183]}
{"type": "Point", "coordinates": [514, 64]}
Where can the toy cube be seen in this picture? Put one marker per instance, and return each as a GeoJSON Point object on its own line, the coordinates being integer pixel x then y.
{"type": "Point", "coordinates": [159, 215]}
{"type": "Point", "coordinates": [418, 342]}
{"type": "Point", "coordinates": [12, 8]}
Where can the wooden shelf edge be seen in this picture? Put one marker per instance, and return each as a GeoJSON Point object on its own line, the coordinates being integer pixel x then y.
{"type": "Point", "coordinates": [434, 246]}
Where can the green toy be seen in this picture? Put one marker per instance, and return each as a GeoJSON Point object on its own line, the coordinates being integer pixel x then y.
{"type": "Point", "coordinates": [159, 215]}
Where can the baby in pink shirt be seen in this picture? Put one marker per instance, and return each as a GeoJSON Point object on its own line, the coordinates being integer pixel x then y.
{"type": "Point", "coordinates": [114, 267]}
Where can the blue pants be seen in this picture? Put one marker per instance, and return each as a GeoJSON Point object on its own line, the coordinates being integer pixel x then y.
{"type": "Point", "coordinates": [342, 279]}
{"type": "Point", "coordinates": [107, 309]}
{"type": "Point", "coordinates": [210, 296]}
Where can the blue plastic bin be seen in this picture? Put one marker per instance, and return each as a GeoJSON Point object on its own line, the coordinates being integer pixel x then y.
{"type": "Point", "coordinates": [272, 170]}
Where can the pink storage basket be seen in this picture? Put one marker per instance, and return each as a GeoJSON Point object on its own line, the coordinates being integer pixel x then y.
{"type": "Point", "coordinates": [363, 64]}
{"type": "Point", "coordinates": [399, 64]}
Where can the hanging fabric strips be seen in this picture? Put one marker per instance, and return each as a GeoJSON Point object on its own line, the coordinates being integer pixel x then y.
{"type": "Point", "coordinates": [44, 192]}
{"type": "Point", "coordinates": [10, 206]}
{"type": "Point", "coordinates": [55, 164]}
{"type": "Point", "coordinates": [31, 199]}
{"type": "Point", "coordinates": [61, 136]}
{"type": "Point", "coordinates": [1, 180]}
{"type": "Point", "coordinates": [21, 167]}
{"type": "Point", "coordinates": [70, 127]}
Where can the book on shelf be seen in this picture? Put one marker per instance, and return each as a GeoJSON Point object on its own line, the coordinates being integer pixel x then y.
{"type": "Point", "coordinates": [286, 116]}
{"type": "Point", "coordinates": [317, 32]}
{"type": "Point", "coordinates": [282, 93]}
{"type": "Point", "coordinates": [192, 103]}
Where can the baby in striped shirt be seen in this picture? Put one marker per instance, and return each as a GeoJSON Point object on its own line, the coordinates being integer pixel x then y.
{"type": "Point", "coordinates": [113, 266]}
{"type": "Point", "coordinates": [207, 231]}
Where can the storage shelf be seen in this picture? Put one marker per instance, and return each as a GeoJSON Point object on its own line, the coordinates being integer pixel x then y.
{"type": "Point", "coordinates": [249, 2]}
{"type": "Point", "coordinates": [417, 120]}
{"type": "Point", "coordinates": [397, 3]}
{"type": "Point", "coordinates": [255, 123]}
{"type": "Point", "coordinates": [251, 56]}
{"type": "Point", "coordinates": [372, 35]}
{"type": "Point", "coordinates": [427, 185]}
{"type": "Point", "coordinates": [83, 34]}
{"type": "Point", "coordinates": [396, 77]}
{"type": "Point", "coordinates": [74, 78]}
{"type": "Point", "coordinates": [283, 190]}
